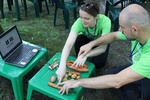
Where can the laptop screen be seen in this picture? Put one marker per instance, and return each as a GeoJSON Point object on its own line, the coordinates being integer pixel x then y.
{"type": "Point", "coordinates": [9, 40]}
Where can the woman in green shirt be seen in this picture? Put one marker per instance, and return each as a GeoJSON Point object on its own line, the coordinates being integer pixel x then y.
{"type": "Point", "coordinates": [88, 27]}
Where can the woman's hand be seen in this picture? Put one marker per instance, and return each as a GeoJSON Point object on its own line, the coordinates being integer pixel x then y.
{"type": "Point", "coordinates": [61, 71]}
{"type": "Point", "coordinates": [80, 61]}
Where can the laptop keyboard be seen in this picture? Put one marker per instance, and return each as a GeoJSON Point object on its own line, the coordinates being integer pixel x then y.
{"type": "Point", "coordinates": [21, 54]}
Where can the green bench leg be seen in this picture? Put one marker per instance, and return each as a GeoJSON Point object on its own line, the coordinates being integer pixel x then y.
{"type": "Point", "coordinates": [29, 92]}
{"type": "Point", "coordinates": [17, 88]}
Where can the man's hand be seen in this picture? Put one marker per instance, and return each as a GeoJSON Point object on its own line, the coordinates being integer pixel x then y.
{"type": "Point", "coordinates": [67, 85]}
{"type": "Point", "coordinates": [80, 61]}
{"type": "Point", "coordinates": [85, 49]}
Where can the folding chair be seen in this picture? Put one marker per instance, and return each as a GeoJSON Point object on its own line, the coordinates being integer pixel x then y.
{"type": "Point", "coordinates": [113, 10]}
{"type": "Point", "coordinates": [66, 7]}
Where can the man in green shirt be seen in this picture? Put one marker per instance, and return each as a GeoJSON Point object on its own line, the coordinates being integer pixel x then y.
{"type": "Point", "coordinates": [134, 79]}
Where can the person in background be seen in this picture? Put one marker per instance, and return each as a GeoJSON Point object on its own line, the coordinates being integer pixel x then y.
{"type": "Point", "coordinates": [88, 27]}
{"type": "Point", "coordinates": [132, 81]}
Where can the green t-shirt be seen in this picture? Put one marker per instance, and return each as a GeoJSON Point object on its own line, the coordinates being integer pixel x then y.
{"type": "Point", "coordinates": [102, 27]}
{"type": "Point", "coordinates": [140, 57]}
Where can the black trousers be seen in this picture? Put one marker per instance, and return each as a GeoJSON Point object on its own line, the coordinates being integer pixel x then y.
{"type": "Point", "coordinates": [135, 90]}
{"type": "Point", "coordinates": [100, 60]}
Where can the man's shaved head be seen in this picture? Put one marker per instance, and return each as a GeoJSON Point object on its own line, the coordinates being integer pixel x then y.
{"type": "Point", "coordinates": [135, 14]}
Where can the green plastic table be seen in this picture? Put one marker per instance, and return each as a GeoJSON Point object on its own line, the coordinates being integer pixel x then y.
{"type": "Point", "coordinates": [39, 82]}
{"type": "Point", "coordinates": [15, 74]}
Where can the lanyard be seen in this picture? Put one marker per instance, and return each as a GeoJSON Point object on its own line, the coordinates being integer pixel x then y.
{"type": "Point", "coordinates": [88, 33]}
{"type": "Point", "coordinates": [131, 54]}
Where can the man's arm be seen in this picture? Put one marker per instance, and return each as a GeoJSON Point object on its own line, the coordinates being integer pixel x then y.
{"type": "Point", "coordinates": [103, 40]}
{"type": "Point", "coordinates": [111, 80]}
{"type": "Point", "coordinates": [107, 81]}
{"type": "Point", "coordinates": [97, 51]}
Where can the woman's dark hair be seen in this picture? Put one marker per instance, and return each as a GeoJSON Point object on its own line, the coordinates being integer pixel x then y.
{"type": "Point", "coordinates": [91, 7]}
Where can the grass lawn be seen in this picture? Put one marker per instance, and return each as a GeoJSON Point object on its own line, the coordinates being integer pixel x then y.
{"type": "Point", "coordinates": [39, 31]}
